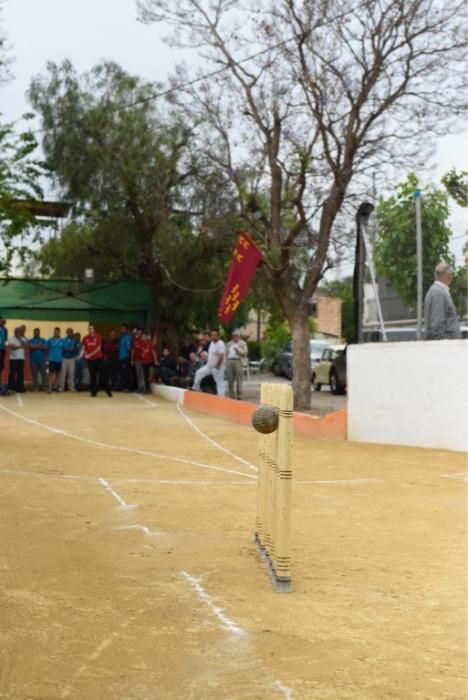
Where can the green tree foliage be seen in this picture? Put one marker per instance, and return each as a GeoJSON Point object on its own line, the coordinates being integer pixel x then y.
{"type": "Point", "coordinates": [140, 208]}
{"type": "Point", "coordinates": [342, 289]}
{"type": "Point", "coordinates": [459, 290]}
{"type": "Point", "coordinates": [395, 242]}
{"type": "Point", "coordinates": [277, 335]}
{"type": "Point", "coordinates": [456, 185]}
{"type": "Point", "coordinates": [21, 172]}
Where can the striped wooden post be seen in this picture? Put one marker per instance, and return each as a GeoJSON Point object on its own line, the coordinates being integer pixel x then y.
{"type": "Point", "coordinates": [273, 522]}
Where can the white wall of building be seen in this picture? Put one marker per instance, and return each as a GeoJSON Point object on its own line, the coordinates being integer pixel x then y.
{"type": "Point", "coordinates": [409, 393]}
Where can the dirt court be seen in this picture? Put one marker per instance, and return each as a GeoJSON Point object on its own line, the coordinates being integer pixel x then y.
{"type": "Point", "coordinates": [128, 569]}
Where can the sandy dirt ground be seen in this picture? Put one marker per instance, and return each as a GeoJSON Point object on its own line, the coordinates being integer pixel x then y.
{"type": "Point", "coordinates": [128, 570]}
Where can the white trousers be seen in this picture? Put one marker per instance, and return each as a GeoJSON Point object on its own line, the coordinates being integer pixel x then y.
{"type": "Point", "coordinates": [218, 376]}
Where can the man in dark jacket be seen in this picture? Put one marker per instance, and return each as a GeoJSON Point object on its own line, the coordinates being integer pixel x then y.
{"type": "Point", "coordinates": [167, 366]}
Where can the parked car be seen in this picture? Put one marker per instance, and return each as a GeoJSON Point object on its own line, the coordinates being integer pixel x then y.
{"type": "Point", "coordinates": [282, 362]}
{"type": "Point", "coordinates": [338, 374]}
{"type": "Point", "coordinates": [326, 372]}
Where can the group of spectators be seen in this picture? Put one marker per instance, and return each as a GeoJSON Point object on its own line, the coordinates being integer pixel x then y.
{"type": "Point", "coordinates": [125, 362]}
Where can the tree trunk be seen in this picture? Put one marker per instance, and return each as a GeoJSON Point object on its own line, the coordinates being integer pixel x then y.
{"type": "Point", "coordinates": [301, 360]}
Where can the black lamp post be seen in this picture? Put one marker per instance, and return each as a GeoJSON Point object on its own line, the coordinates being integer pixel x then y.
{"type": "Point", "coordinates": [362, 217]}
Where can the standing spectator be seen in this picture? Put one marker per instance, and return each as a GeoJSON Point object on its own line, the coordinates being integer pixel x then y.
{"type": "Point", "coordinates": [92, 352]}
{"type": "Point", "coordinates": [137, 361]}
{"type": "Point", "coordinates": [440, 315]}
{"type": "Point", "coordinates": [215, 365]}
{"type": "Point", "coordinates": [136, 333]}
{"type": "Point", "coordinates": [148, 357]}
{"type": "Point", "coordinates": [16, 347]}
{"type": "Point", "coordinates": [125, 351]}
{"type": "Point", "coordinates": [37, 359]}
{"type": "Point", "coordinates": [70, 352]}
{"type": "Point", "coordinates": [3, 343]}
{"type": "Point", "coordinates": [111, 353]}
{"type": "Point", "coordinates": [54, 351]}
{"type": "Point", "coordinates": [166, 367]}
{"type": "Point", "coordinates": [79, 364]}
{"type": "Point", "coordinates": [236, 356]}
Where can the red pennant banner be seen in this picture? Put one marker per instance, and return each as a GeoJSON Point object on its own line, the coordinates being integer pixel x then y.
{"type": "Point", "coordinates": [245, 260]}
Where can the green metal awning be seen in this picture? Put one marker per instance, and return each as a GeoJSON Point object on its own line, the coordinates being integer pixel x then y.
{"type": "Point", "coordinates": [126, 301]}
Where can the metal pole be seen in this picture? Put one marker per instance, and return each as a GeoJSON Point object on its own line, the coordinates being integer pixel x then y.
{"type": "Point", "coordinates": [419, 267]}
{"type": "Point", "coordinates": [373, 279]}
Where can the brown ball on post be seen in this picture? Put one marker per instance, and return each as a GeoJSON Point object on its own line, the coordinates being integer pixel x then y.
{"type": "Point", "coordinates": [265, 419]}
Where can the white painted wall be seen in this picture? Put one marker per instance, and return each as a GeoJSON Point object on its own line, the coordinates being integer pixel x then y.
{"type": "Point", "coordinates": [411, 393]}
{"type": "Point", "coordinates": [170, 393]}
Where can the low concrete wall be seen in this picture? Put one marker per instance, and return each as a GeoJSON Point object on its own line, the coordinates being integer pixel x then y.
{"type": "Point", "coordinates": [170, 393]}
{"type": "Point", "coordinates": [331, 426]}
{"type": "Point", "coordinates": [409, 393]}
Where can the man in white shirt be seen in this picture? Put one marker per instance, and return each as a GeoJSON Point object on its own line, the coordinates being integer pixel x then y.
{"type": "Point", "coordinates": [215, 365]}
{"type": "Point", "coordinates": [440, 315]}
{"type": "Point", "coordinates": [16, 347]}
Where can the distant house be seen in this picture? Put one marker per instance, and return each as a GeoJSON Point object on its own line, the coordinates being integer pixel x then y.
{"type": "Point", "coordinates": [326, 311]}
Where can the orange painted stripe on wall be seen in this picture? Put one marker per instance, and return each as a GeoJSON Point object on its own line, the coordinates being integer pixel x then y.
{"type": "Point", "coordinates": [331, 426]}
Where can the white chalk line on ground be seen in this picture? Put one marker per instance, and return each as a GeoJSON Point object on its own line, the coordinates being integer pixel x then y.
{"type": "Point", "coordinates": [226, 623]}
{"type": "Point", "coordinates": [213, 442]}
{"type": "Point", "coordinates": [114, 493]}
{"type": "Point", "coordinates": [124, 480]}
{"type": "Point", "coordinates": [149, 403]}
{"type": "Point", "coordinates": [184, 482]}
{"type": "Point", "coordinates": [459, 476]}
{"type": "Point", "coordinates": [284, 690]}
{"type": "Point", "coordinates": [66, 692]}
{"type": "Point", "coordinates": [142, 528]}
{"type": "Point", "coordinates": [120, 448]}
{"type": "Point", "coordinates": [342, 481]}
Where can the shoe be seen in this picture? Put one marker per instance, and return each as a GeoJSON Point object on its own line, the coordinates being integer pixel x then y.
{"type": "Point", "coordinates": [93, 396]}
{"type": "Point", "coordinates": [49, 391]}
{"type": "Point", "coordinates": [109, 393]}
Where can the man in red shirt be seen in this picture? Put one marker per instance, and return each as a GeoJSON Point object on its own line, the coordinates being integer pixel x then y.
{"type": "Point", "coordinates": [143, 357]}
{"type": "Point", "coordinates": [149, 358]}
{"type": "Point", "coordinates": [92, 353]}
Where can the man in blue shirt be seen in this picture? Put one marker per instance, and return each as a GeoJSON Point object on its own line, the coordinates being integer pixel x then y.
{"type": "Point", "coordinates": [70, 353]}
{"type": "Point", "coordinates": [3, 341]}
{"type": "Point", "coordinates": [37, 358]}
{"type": "Point", "coordinates": [54, 348]}
{"type": "Point", "coordinates": [125, 351]}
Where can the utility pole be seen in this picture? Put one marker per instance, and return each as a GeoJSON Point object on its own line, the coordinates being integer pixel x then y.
{"type": "Point", "coordinates": [419, 267]}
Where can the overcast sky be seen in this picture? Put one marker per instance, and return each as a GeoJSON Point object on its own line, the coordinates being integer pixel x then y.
{"type": "Point", "coordinates": [86, 31]}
